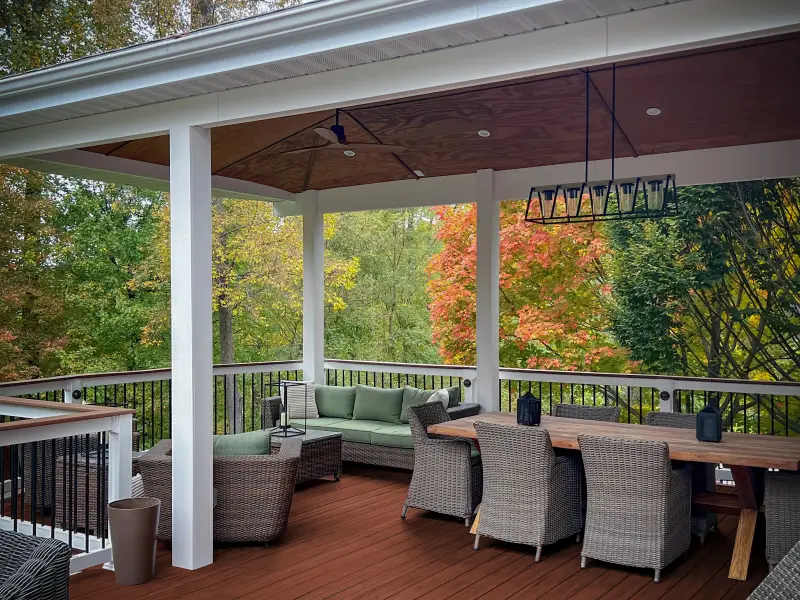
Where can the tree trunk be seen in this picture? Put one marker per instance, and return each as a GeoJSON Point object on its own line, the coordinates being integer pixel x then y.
{"type": "Point", "coordinates": [233, 404]}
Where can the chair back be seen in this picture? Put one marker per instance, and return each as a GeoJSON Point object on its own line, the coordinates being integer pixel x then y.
{"type": "Point", "coordinates": [588, 413]}
{"type": "Point", "coordinates": [629, 474]}
{"type": "Point", "coordinates": [517, 463]}
{"type": "Point", "coordinates": [420, 417]}
{"type": "Point", "coordinates": [669, 419]}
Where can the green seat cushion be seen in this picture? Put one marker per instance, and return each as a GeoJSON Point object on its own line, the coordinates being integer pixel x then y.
{"type": "Point", "coordinates": [357, 431]}
{"type": "Point", "coordinates": [412, 397]}
{"type": "Point", "coordinates": [375, 404]}
{"type": "Point", "coordinates": [394, 436]}
{"type": "Point", "coordinates": [242, 444]}
{"type": "Point", "coordinates": [455, 396]}
{"type": "Point", "coordinates": [323, 423]}
{"type": "Point", "coordinates": [335, 401]}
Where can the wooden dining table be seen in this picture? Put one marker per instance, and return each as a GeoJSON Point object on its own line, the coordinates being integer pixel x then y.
{"type": "Point", "coordinates": [747, 456]}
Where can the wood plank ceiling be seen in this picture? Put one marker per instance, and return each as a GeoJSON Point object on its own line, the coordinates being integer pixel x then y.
{"type": "Point", "coordinates": [724, 96]}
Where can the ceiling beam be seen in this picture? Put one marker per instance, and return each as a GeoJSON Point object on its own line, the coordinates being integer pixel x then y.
{"type": "Point", "coordinates": [696, 167]}
{"type": "Point", "coordinates": [632, 35]}
{"type": "Point", "coordinates": [124, 171]}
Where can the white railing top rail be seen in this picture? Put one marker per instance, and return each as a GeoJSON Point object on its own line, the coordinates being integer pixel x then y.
{"type": "Point", "coordinates": [400, 368]}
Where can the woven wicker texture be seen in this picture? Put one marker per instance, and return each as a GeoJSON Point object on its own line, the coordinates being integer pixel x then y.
{"type": "Point", "coordinates": [783, 582]}
{"type": "Point", "coordinates": [530, 496]}
{"type": "Point", "coordinates": [319, 457]}
{"type": "Point", "coordinates": [254, 493]}
{"type": "Point", "coordinates": [446, 479]}
{"type": "Point", "coordinates": [33, 568]}
{"type": "Point", "coordinates": [589, 413]}
{"type": "Point", "coordinates": [782, 512]}
{"type": "Point", "coordinates": [638, 506]}
{"type": "Point", "coordinates": [703, 474]}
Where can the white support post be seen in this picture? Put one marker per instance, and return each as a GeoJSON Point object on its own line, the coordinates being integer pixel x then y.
{"type": "Point", "coordinates": [192, 362]}
{"type": "Point", "coordinates": [487, 301]}
{"type": "Point", "coordinates": [120, 455]}
{"type": "Point", "coordinates": [313, 289]}
{"type": "Point", "coordinates": [666, 397]}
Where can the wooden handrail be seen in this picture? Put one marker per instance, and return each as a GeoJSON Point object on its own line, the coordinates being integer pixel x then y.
{"type": "Point", "coordinates": [74, 413]}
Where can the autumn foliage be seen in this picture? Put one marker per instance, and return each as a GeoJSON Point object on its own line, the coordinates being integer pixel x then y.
{"type": "Point", "coordinates": [552, 293]}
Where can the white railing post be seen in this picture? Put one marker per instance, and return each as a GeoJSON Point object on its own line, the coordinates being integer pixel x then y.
{"type": "Point", "coordinates": [666, 397]}
{"type": "Point", "coordinates": [69, 389]}
{"type": "Point", "coordinates": [120, 456]}
{"type": "Point", "coordinates": [487, 300]}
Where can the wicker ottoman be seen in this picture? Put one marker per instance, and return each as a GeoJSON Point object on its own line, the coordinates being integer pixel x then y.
{"type": "Point", "coordinates": [320, 455]}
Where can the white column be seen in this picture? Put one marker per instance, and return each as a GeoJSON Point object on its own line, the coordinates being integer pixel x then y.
{"type": "Point", "coordinates": [192, 361]}
{"type": "Point", "coordinates": [120, 456]}
{"type": "Point", "coordinates": [313, 288]}
{"type": "Point", "coordinates": [487, 308]}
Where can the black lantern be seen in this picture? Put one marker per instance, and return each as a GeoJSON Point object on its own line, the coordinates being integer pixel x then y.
{"type": "Point", "coordinates": [709, 424]}
{"type": "Point", "coordinates": [529, 410]}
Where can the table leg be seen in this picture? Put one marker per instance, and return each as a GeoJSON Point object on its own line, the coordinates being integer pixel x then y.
{"type": "Point", "coordinates": [745, 489]}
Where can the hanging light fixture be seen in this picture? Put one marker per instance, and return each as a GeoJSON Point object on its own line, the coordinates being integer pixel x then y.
{"type": "Point", "coordinates": [603, 200]}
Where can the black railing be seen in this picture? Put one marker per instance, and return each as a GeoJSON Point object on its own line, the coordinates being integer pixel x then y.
{"type": "Point", "coordinates": [759, 413]}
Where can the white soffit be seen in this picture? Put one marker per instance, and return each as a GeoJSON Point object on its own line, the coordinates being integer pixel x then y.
{"type": "Point", "coordinates": [146, 74]}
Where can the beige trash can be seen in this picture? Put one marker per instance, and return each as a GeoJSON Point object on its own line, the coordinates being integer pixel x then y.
{"type": "Point", "coordinates": [133, 523]}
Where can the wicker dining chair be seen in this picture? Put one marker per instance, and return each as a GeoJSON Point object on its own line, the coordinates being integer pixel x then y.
{"type": "Point", "coordinates": [782, 514]}
{"type": "Point", "coordinates": [33, 568]}
{"type": "Point", "coordinates": [638, 506]}
{"type": "Point", "coordinates": [447, 478]}
{"type": "Point", "coordinates": [589, 413]}
{"type": "Point", "coordinates": [782, 582]}
{"type": "Point", "coordinates": [530, 496]}
{"type": "Point", "coordinates": [253, 493]}
{"type": "Point", "coordinates": [703, 474]}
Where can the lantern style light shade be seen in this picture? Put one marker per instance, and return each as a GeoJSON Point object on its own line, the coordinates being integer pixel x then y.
{"type": "Point", "coordinates": [573, 196]}
{"type": "Point", "coordinates": [626, 195]}
{"type": "Point", "coordinates": [547, 201]}
{"type": "Point", "coordinates": [599, 195]}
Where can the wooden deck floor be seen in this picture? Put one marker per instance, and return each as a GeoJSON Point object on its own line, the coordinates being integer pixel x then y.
{"type": "Point", "coordinates": [346, 540]}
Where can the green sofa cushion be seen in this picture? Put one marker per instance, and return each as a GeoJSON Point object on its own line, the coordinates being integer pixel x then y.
{"type": "Point", "coordinates": [335, 401]}
{"type": "Point", "coordinates": [455, 396]}
{"type": "Point", "coordinates": [242, 444]}
{"type": "Point", "coordinates": [357, 431]}
{"type": "Point", "coordinates": [412, 397]}
{"type": "Point", "coordinates": [375, 404]}
{"type": "Point", "coordinates": [394, 436]}
{"type": "Point", "coordinates": [323, 423]}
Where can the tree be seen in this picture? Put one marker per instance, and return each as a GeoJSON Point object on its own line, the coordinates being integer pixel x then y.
{"type": "Point", "coordinates": [553, 295]}
{"type": "Point", "coordinates": [385, 314]}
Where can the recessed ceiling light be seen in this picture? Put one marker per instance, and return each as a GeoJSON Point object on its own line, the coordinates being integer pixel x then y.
{"type": "Point", "coordinates": [653, 111]}
{"type": "Point", "coordinates": [419, 173]}
{"type": "Point", "coordinates": [349, 153]}
{"type": "Point", "coordinates": [484, 133]}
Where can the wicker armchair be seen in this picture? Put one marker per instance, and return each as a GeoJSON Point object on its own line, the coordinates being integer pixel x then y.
{"type": "Point", "coordinates": [782, 512]}
{"type": "Point", "coordinates": [253, 493]}
{"type": "Point", "coordinates": [703, 474]}
{"type": "Point", "coordinates": [447, 479]}
{"type": "Point", "coordinates": [33, 568]}
{"type": "Point", "coordinates": [530, 496]}
{"type": "Point", "coordinates": [588, 413]}
{"type": "Point", "coordinates": [783, 582]}
{"type": "Point", "coordinates": [639, 507]}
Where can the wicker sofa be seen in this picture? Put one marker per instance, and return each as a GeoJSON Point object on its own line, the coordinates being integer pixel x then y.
{"type": "Point", "coordinates": [383, 440]}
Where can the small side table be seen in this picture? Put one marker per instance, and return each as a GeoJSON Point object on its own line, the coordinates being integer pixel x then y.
{"type": "Point", "coordinates": [320, 454]}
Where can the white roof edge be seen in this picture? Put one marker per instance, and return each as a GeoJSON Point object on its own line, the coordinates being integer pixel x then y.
{"type": "Point", "coordinates": [309, 18]}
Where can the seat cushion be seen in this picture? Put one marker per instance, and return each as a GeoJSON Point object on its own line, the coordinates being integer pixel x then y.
{"type": "Point", "coordinates": [242, 444]}
{"type": "Point", "coordinates": [323, 423]}
{"type": "Point", "coordinates": [335, 401]}
{"type": "Point", "coordinates": [394, 436]}
{"type": "Point", "coordinates": [375, 404]}
{"type": "Point", "coordinates": [412, 397]}
{"type": "Point", "coordinates": [357, 431]}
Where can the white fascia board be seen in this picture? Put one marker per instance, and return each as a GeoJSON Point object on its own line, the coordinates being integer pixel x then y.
{"type": "Point", "coordinates": [682, 25]}
{"type": "Point", "coordinates": [695, 167]}
{"type": "Point", "coordinates": [300, 31]}
{"type": "Point", "coordinates": [124, 171]}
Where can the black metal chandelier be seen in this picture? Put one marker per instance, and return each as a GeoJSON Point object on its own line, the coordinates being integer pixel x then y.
{"type": "Point", "coordinates": [611, 199]}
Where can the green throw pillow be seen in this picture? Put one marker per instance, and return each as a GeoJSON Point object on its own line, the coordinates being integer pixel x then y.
{"type": "Point", "coordinates": [335, 401]}
{"type": "Point", "coordinates": [375, 404]}
{"type": "Point", "coordinates": [413, 397]}
{"type": "Point", "coordinates": [455, 396]}
{"type": "Point", "coordinates": [242, 444]}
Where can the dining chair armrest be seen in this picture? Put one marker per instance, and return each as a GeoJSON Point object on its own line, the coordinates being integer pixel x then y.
{"type": "Point", "coordinates": [464, 410]}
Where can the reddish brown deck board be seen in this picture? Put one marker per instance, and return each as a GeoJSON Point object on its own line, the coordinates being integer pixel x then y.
{"type": "Point", "coordinates": [346, 540]}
